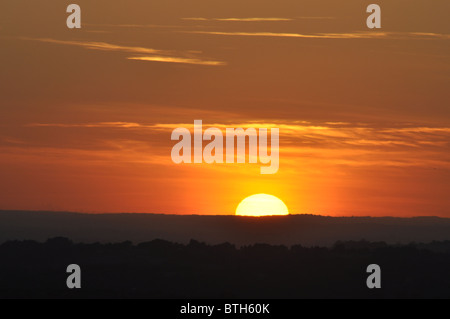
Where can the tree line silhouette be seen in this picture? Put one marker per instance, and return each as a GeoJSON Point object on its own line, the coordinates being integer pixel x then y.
{"type": "Point", "coordinates": [162, 269]}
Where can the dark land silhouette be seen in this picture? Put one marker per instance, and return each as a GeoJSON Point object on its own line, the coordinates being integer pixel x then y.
{"type": "Point", "coordinates": [307, 230]}
{"type": "Point", "coordinates": [161, 269]}
{"type": "Point", "coordinates": [155, 256]}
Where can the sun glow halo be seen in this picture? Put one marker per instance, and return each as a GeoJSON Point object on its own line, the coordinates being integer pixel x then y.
{"type": "Point", "coordinates": [262, 205]}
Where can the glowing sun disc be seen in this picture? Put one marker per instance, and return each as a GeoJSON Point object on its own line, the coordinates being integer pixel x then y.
{"type": "Point", "coordinates": [262, 205]}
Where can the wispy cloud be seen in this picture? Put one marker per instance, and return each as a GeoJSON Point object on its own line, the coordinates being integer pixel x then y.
{"type": "Point", "coordinates": [176, 60]}
{"type": "Point", "coordinates": [421, 130]}
{"type": "Point", "coordinates": [101, 46]}
{"type": "Point", "coordinates": [117, 151]}
{"type": "Point", "coordinates": [165, 26]}
{"type": "Point", "coordinates": [258, 19]}
{"type": "Point", "coordinates": [430, 35]}
{"type": "Point", "coordinates": [317, 134]}
{"type": "Point", "coordinates": [239, 19]}
{"type": "Point", "coordinates": [356, 35]}
{"type": "Point", "coordinates": [348, 35]}
{"type": "Point", "coordinates": [327, 143]}
{"type": "Point", "coordinates": [151, 55]}
{"type": "Point", "coordinates": [90, 125]}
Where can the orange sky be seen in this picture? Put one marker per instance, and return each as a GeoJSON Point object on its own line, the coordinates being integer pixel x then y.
{"type": "Point", "coordinates": [86, 115]}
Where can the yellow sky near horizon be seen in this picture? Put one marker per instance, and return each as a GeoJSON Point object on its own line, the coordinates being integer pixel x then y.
{"type": "Point", "coordinates": [86, 115]}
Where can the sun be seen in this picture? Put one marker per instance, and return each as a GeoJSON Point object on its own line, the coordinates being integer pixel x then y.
{"type": "Point", "coordinates": [262, 205]}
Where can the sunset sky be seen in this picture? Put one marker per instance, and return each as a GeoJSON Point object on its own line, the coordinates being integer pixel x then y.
{"type": "Point", "coordinates": [364, 115]}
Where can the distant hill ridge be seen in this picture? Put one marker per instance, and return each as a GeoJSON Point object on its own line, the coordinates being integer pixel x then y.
{"type": "Point", "coordinates": [307, 230]}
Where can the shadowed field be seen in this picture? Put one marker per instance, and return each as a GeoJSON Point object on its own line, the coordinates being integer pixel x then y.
{"type": "Point", "coordinates": [161, 269]}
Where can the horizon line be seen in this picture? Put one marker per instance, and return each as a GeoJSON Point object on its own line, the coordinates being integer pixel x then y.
{"type": "Point", "coordinates": [212, 215]}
